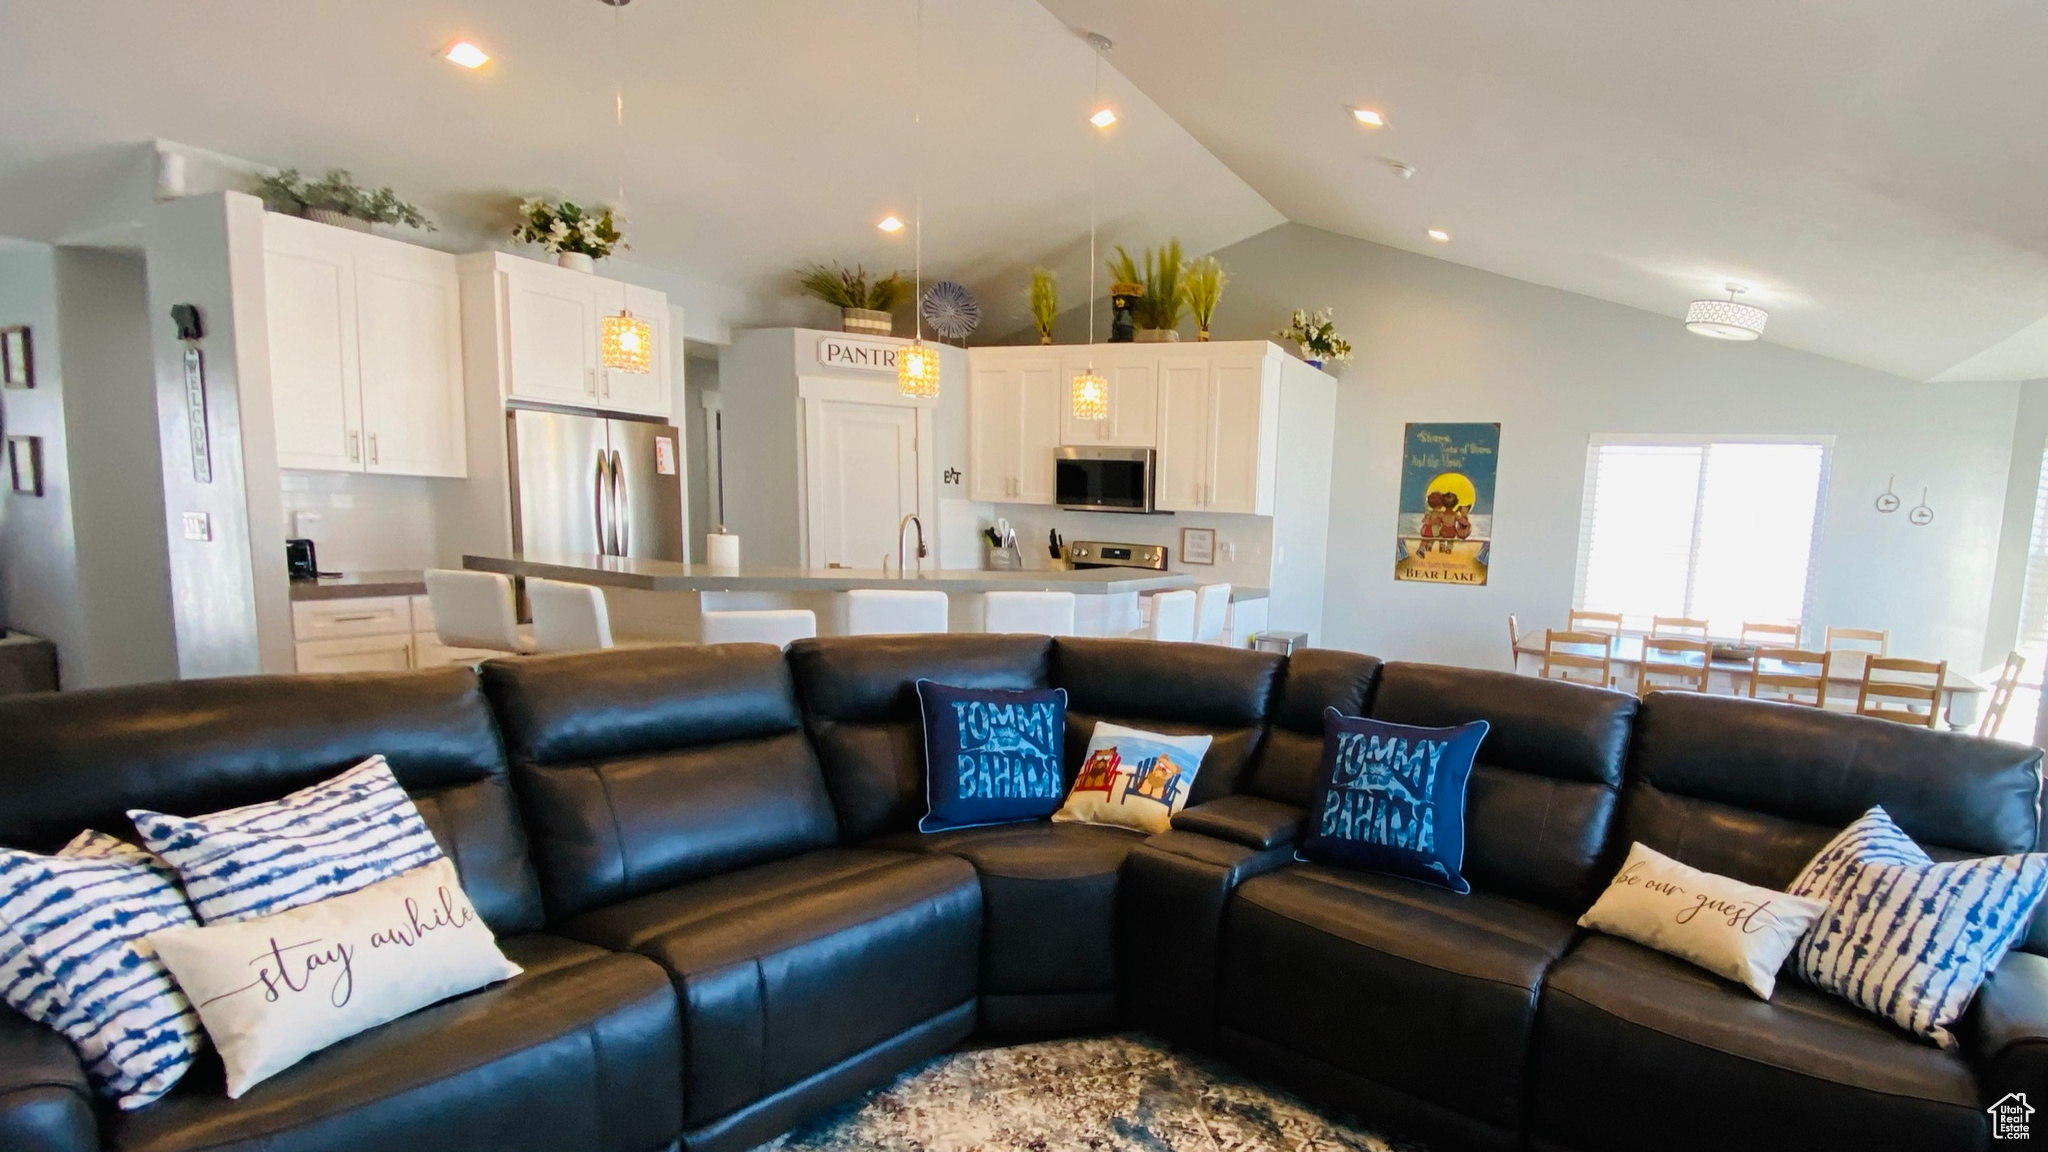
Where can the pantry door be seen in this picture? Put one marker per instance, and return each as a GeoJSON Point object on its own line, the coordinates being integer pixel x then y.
{"type": "Point", "coordinates": [863, 468]}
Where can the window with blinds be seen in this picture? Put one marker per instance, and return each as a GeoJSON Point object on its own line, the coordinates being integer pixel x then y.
{"type": "Point", "coordinates": [2033, 637]}
{"type": "Point", "coordinates": [1711, 529]}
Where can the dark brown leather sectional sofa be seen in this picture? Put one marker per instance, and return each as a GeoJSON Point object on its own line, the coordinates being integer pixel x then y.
{"type": "Point", "coordinates": [706, 860]}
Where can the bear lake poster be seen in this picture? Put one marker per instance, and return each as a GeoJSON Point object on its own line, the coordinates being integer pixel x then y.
{"type": "Point", "coordinates": [1446, 522]}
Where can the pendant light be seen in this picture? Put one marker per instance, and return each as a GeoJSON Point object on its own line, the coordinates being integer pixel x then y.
{"type": "Point", "coordinates": [1091, 392]}
{"type": "Point", "coordinates": [917, 367]}
{"type": "Point", "coordinates": [625, 342]}
{"type": "Point", "coordinates": [1728, 319]}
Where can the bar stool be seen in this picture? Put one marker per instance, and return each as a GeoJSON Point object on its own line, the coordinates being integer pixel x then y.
{"type": "Point", "coordinates": [895, 612]}
{"type": "Point", "coordinates": [1173, 618]}
{"type": "Point", "coordinates": [475, 610]}
{"type": "Point", "coordinates": [777, 626]}
{"type": "Point", "coordinates": [568, 617]}
{"type": "Point", "coordinates": [1038, 613]}
{"type": "Point", "coordinates": [1212, 613]}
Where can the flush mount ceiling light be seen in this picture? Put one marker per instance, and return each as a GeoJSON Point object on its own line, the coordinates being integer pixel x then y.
{"type": "Point", "coordinates": [1439, 235]}
{"type": "Point", "coordinates": [917, 367]}
{"type": "Point", "coordinates": [1369, 117]}
{"type": "Point", "coordinates": [890, 224]}
{"type": "Point", "coordinates": [1727, 319]}
{"type": "Point", "coordinates": [464, 54]}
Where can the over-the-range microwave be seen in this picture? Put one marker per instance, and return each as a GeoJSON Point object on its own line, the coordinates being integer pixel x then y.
{"type": "Point", "coordinates": [1103, 479]}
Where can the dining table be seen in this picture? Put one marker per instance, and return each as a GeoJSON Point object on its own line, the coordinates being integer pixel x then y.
{"type": "Point", "coordinates": [1960, 694]}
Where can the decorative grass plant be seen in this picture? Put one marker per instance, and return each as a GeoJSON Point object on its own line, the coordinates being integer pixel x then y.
{"type": "Point", "coordinates": [1043, 298]}
{"type": "Point", "coordinates": [842, 288]}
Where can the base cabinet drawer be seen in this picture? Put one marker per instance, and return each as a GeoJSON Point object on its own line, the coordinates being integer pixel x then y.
{"type": "Point", "coordinates": [429, 652]}
{"type": "Point", "coordinates": [357, 654]}
{"type": "Point", "coordinates": [363, 616]}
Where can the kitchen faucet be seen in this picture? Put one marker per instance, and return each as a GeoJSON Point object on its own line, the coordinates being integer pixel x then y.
{"type": "Point", "coordinates": [905, 523]}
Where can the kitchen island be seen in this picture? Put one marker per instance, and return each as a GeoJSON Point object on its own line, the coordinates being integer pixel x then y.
{"type": "Point", "coordinates": [663, 599]}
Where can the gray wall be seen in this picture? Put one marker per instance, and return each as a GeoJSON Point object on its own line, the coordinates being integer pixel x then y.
{"type": "Point", "coordinates": [1439, 341]}
{"type": "Point", "coordinates": [38, 557]}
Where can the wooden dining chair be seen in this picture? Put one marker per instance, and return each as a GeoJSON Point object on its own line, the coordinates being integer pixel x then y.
{"type": "Point", "coordinates": [1853, 646]}
{"type": "Point", "coordinates": [1580, 657]}
{"type": "Point", "coordinates": [1584, 620]}
{"type": "Point", "coordinates": [1678, 626]}
{"type": "Point", "coordinates": [1766, 635]}
{"type": "Point", "coordinates": [1788, 674]}
{"type": "Point", "coordinates": [1514, 644]}
{"type": "Point", "coordinates": [1909, 684]}
{"type": "Point", "coordinates": [1676, 662]}
{"type": "Point", "coordinates": [2001, 694]}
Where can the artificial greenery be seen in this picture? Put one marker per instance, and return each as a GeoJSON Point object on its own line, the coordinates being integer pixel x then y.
{"type": "Point", "coordinates": [1044, 300]}
{"type": "Point", "coordinates": [566, 227]}
{"type": "Point", "coordinates": [1162, 302]}
{"type": "Point", "coordinates": [852, 289]}
{"type": "Point", "coordinates": [1202, 286]}
{"type": "Point", "coordinates": [1316, 334]}
{"type": "Point", "coordinates": [337, 191]}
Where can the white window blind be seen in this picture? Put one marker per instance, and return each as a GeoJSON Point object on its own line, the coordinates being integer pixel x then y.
{"type": "Point", "coordinates": [2033, 638]}
{"type": "Point", "coordinates": [1720, 530]}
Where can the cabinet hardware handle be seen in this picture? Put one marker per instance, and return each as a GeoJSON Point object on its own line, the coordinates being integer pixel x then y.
{"type": "Point", "coordinates": [355, 446]}
{"type": "Point", "coordinates": [357, 618]}
{"type": "Point", "coordinates": [373, 447]}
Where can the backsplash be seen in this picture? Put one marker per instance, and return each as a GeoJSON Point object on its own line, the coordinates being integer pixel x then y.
{"type": "Point", "coordinates": [1247, 541]}
{"type": "Point", "coordinates": [359, 522]}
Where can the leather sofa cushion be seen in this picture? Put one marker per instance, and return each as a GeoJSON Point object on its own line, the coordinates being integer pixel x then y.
{"type": "Point", "coordinates": [1404, 984]}
{"type": "Point", "coordinates": [1312, 679]}
{"type": "Point", "coordinates": [1048, 901]}
{"type": "Point", "coordinates": [579, 1051]}
{"type": "Point", "coordinates": [82, 759]}
{"type": "Point", "coordinates": [859, 697]}
{"type": "Point", "coordinates": [1752, 789]}
{"type": "Point", "coordinates": [786, 969]}
{"type": "Point", "coordinates": [46, 1105]}
{"type": "Point", "coordinates": [1633, 1046]}
{"type": "Point", "coordinates": [1540, 807]}
{"type": "Point", "coordinates": [1175, 689]}
{"type": "Point", "coordinates": [645, 768]}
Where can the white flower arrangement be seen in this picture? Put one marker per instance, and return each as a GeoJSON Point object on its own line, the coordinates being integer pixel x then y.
{"type": "Point", "coordinates": [565, 227]}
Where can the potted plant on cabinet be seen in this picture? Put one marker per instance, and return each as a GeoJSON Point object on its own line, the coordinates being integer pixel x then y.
{"type": "Point", "coordinates": [864, 305]}
{"type": "Point", "coordinates": [336, 199]}
{"type": "Point", "coordinates": [578, 237]}
{"type": "Point", "coordinates": [1203, 287]}
{"type": "Point", "coordinates": [1044, 302]}
{"type": "Point", "coordinates": [1316, 335]}
{"type": "Point", "coordinates": [1158, 307]}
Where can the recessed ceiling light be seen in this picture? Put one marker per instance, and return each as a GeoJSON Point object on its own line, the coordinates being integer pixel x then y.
{"type": "Point", "coordinates": [890, 224]}
{"type": "Point", "coordinates": [1103, 118]}
{"type": "Point", "coordinates": [1439, 235]}
{"type": "Point", "coordinates": [1369, 116]}
{"type": "Point", "coordinates": [464, 54]}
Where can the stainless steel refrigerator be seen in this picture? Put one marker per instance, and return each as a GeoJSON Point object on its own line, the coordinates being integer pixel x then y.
{"type": "Point", "coordinates": [586, 484]}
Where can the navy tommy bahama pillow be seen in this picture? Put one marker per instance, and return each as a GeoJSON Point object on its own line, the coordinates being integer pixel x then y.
{"type": "Point", "coordinates": [991, 755]}
{"type": "Point", "coordinates": [1391, 798]}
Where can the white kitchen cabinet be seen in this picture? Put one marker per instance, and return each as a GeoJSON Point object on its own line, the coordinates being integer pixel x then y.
{"type": "Point", "coordinates": [357, 654]}
{"type": "Point", "coordinates": [1132, 384]}
{"type": "Point", "coordinates": [1014, 408]}
{"type": "Point", "coordinates": [373, 634]}
{"type": "Point", "coordinates": [548, 321]}
{"type": "Point", "coordinates": [1218, 443]}
{"type": "Point", "coordinates": [645, 392]}
{"type": "Point", "coordinates": [365, 351]}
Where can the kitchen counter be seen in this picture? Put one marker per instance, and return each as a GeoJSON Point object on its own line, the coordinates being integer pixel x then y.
{"type": "Point", "coordinates": [670, 576]}
{"type": "Point", "coordinates": [355, 585]}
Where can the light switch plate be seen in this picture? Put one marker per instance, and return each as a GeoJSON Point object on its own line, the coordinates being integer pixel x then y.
{"type": "Point", "coordinates": [198, 526]}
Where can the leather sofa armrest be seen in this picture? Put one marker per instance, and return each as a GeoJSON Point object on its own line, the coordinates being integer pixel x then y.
{"type": "Point", "coordinates": [1171, 896]}
{"type": "Point", "coordinates": [2010, 1041]}
{"type": "Point", "coordinates": [45, 1103]}
{"type": "Point", "coordinates": [1252, 821]}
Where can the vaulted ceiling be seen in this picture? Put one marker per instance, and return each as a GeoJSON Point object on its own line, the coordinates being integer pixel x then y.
{"type": "Point", "coordinates": [1873, 171]}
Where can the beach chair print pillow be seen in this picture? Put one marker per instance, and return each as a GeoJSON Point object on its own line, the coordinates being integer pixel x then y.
{"type": "Point", "coordinates": [1132, 778]}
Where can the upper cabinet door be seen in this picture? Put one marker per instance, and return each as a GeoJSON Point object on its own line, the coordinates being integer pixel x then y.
{"type": "Point", "coordinates": [995, 407]}
{"type": "Point", "coordinates": [1133, 405]}
{"type": "Point", "coordinates": [1237, 430]}
{"type": "Point", "coordinates": [1038, 431]}
{"type": "Point", "coordinates": [309, 287]}
{"type": "Point", "coordinates": [643, 392]}
{"type": "Point", "coordinates": [409, 320]}
{"type": "Point", "coordinates": [552, 344]}
{"type": "Point", "coordinates": [1185, 418]}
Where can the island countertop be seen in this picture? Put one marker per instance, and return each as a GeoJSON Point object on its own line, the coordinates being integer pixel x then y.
{"type": "Point", "coordinates": [672, 576]}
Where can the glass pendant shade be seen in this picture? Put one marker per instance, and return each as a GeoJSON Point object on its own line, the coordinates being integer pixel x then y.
{"type": "Point", "coordinates": [1726, 319]}
{"type": "Point", "coordinates": [626, 342]}
{"type": "Point", "coordinates": [1091, 396]}
{"type": "Point", "coordinates": [917, 371]}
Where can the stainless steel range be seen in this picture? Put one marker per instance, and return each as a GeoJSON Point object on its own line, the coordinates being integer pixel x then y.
{"type": "Point", "coordinates": [1107, 554]}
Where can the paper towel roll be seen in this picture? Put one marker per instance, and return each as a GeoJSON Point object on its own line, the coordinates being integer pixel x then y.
{"type": "Point", "coordinates": [722, 550]}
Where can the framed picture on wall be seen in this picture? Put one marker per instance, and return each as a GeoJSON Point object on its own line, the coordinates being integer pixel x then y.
{"type": "Point", "coordinates": [25, 464]}
{"type": "Point", "coordinates": [1198, 545]}
{"type": "Point", "coordinates": [17, 359]}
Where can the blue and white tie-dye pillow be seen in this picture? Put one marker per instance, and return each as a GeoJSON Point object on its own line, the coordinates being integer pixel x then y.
{"type": "Point", "coordinates": [332, 838]}
{"type": "Point", "coordinates": [72, 958]}
{"type": "Point", "coordinates": [991, 756]}
{"type": "Point", "coordinates": [1907, 938]}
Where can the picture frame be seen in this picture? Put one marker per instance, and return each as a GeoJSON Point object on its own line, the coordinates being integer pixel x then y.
{"type": "Point", "coordinates": [17, 358]}
{"type": "Point", "coordinates": [25, 464]}
{"type": "Point", "coordinates": [1198, 545]}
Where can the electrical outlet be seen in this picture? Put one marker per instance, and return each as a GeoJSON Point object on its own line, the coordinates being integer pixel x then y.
{"type": "Point", "coordinates": [198, 526]}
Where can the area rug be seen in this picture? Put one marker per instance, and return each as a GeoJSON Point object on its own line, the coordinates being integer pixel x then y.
{"type": "Point", "coordinates": [1102, 1094]}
